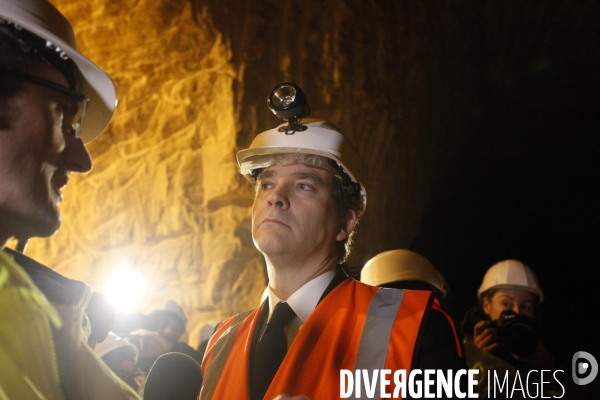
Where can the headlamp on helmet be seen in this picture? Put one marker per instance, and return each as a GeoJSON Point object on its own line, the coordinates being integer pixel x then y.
{"type": "Point", "coordinates": [319, 143]}
{"type": "Point", "coordinates": [289, 103]}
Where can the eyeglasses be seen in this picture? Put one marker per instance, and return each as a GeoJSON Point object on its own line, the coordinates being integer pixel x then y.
{"type": "Point", "coordinates": [73, 118]}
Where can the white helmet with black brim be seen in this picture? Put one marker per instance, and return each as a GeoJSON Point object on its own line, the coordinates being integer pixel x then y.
{"type": "Point", "coordinates": [510, 274]}
{"type": "Point", "coordinates": [42, 19]}
{"type": "Point", "coordinates": [320, 139]}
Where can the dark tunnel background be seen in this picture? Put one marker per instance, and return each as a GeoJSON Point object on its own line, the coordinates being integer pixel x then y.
{"type": "Point", "coordinates": [478, 125]}
{"type": "Point", "coordinates": [528, 188]}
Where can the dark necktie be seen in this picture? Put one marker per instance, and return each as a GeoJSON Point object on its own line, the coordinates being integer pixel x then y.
{"type": "Point", "coordinates": [270, 350]}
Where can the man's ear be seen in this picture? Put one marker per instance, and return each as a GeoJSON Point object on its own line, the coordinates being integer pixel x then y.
{"type": "Point", "coordinates": [346, 226]}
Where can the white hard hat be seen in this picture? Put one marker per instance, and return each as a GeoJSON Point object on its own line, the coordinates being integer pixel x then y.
{"type": "Point", "coordinates": [402, 265]}
{"type": "Point", "coordinates": [510, 274]}
{"type": "Point", "coordinates": [42, 19]}
{"type": "Point", "coordinates": [113, 342]}
{"type": "Point", "coordinates": [322, 138]}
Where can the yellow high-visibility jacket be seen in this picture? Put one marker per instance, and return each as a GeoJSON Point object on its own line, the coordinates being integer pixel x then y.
{"type": "Point", "coordinates": [43, 351]}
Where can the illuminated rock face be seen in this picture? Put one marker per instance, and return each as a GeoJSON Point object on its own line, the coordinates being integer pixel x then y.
{"type": "Point", "coordinates": [407, 82]}
{"type": "Point", "coordinates": [165, 196]}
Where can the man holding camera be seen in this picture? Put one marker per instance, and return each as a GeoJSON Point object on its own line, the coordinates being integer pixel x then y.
{"type": "Point", "coordinates": [501, 334]}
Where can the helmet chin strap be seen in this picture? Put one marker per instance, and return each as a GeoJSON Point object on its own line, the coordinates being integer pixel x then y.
{"type": "Point", "coordinates": [22, 245]}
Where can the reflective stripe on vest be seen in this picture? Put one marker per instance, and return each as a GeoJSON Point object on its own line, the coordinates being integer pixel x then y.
{"type": "Point", "coordinates": [355, 326]}
{"type": "Point", "coordinates": [375, 339]}
{"type": "Point", "coordinates": [217, 352]}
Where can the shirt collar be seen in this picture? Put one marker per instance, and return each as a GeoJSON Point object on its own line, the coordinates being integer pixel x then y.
{"type": "Point", "coordinates": [304, 300]}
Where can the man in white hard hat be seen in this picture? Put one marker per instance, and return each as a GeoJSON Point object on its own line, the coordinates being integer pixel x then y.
{"type": "Point", "coordinates": [309, 196]}
{"type": "Point", "coordinates": [53, 100]}
{"type": "Point", "coordinates": [501, 334]}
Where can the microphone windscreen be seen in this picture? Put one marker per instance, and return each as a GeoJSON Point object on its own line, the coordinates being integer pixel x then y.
{"type": "Point", "coordinates": [173, 376]}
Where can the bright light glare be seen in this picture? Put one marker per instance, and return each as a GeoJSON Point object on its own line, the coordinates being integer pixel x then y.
{"type": "Point", "coordinates": [126, 288]}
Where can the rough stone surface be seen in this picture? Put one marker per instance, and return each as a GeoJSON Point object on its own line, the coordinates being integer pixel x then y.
{"type": "Point", "coordinates": [164, 196]}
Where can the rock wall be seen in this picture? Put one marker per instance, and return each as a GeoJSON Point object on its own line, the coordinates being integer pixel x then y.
{"type": "Point", "coordinates": [165, 196]}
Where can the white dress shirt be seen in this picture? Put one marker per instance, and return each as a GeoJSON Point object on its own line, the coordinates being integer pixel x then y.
{"type": "Point", "coordinates": [303, 301]}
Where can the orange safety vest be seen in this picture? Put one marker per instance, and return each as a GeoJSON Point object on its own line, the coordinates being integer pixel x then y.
{"type": "Point", "coordinates": [356, 326]}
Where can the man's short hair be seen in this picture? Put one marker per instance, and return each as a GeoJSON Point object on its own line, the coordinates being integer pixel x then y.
{"type": "Point", "coordinates": [346, 195]}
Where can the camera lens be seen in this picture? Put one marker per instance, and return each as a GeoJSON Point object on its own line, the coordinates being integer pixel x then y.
{"type": "Point", "coordinates": [517, 333]}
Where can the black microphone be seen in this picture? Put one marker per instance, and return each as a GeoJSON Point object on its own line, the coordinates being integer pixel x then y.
{"type": "Point", "coordinates": [173, 376]}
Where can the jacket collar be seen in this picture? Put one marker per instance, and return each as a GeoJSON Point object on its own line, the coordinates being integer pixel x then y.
{"type": "Point", "coordinates": [56, 287]}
